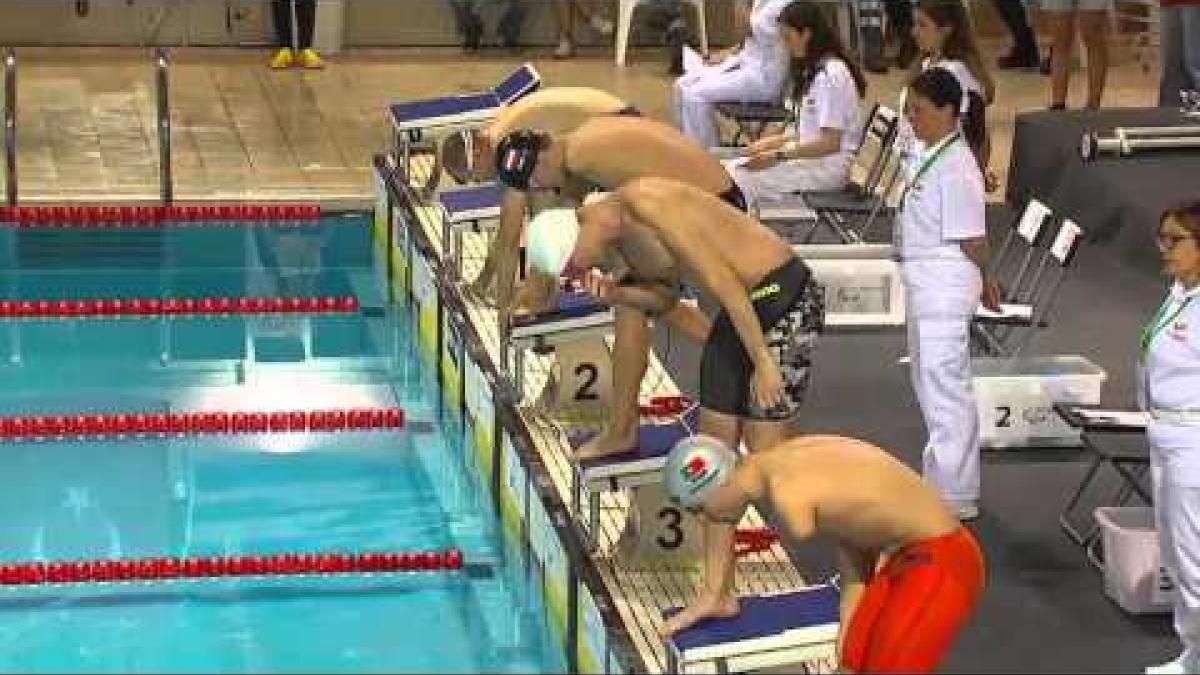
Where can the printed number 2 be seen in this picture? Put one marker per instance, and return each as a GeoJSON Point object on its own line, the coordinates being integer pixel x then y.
{"type": "Point", "coordinates": [1005, 413]}
{"type": "Point", "coordinates": [590, 373]}
{"type": "Point", "coordinates": [673, 518]}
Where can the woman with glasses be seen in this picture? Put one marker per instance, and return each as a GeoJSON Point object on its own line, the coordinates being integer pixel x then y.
{"type": "Point", "coordinates": [1169, 389]}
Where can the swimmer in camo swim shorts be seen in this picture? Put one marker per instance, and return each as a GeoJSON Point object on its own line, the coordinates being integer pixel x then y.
{"type": "Point", "coordinates": [634, 246]}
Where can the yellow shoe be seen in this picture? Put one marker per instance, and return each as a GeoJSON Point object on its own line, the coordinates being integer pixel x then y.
{"type": "Point", "coordinates": [309, 58]}
{"type": "Point", "coordinates": [283, 59]}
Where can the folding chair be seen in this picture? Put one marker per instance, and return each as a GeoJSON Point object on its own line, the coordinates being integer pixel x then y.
{"type": "Point", "coordinates": [751, 118]}
{"type": "Point", "coordinates": [1030, 303]}
{"type": "Point", "coordinates": [850, 214]}
{"type": "Point", "coordinates": [867, 170]}
{"type": "Point", "coordinates": [1129, 464]}
{"type": "Point", "coordinates": [425, 122]}
{"type": "Point", "coordinates": [1011, 266]}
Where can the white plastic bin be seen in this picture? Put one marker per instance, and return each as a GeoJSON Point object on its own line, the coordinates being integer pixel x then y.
{"type": "Point", "coordinates": [860, 290]}
{"type": "Point", "coordinates": [1133, 575]}
{"type": "Point", "coordinates": [1015, 397]}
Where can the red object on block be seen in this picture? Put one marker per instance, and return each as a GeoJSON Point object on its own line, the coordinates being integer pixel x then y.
{"type": "Point", "coordinates": [349, 303]}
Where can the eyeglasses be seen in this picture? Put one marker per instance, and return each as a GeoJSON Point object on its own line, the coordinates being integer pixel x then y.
{"type": "Point", "coordinates": [1167, 242]}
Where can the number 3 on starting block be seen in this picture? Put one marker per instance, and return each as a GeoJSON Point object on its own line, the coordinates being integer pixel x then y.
{"type": "Point", "coordinates": [658, 531]}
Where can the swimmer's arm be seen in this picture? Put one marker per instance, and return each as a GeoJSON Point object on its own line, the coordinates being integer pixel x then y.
{"type": "Point", "coordinates": [650, 299]}
{"type": "Point", "coordinates": [676, 223]}
{"type": "Point", "coordinates": [504, 253]}
{"type": "Point", "coordinates": [855, 569]}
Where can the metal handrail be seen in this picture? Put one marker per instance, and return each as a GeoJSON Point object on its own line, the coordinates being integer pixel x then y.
{"type": "Point", "coordinates": [10, 126]}
{"type": "Point", "coordinates": [162, 91]}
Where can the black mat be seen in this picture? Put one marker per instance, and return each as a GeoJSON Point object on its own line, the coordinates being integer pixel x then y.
{"type": "Point", "coordinates": [1117, 200]}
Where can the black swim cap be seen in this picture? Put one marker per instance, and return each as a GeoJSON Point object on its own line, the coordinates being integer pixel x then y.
{"type": "Point", "coordinates": [517, 156]}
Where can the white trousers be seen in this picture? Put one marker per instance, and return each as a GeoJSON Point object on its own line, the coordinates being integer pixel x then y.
{"type": "Point", "coordinates": [1175, 458]}
{"type": "Point", "coordinates": [787, 178]}
{"type": "Point", "coordinates": [941, 298]}
{"type": "Point", "coordinates": [697, 93]}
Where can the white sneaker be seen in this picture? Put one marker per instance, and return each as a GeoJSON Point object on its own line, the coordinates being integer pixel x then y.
{"type": "Point", "coordinates": [965, 510]}
{"type": "Point", "coordinates": [565, 49]}
{"type": "Point", "coordinates": [1178, 666]}
{"type": "Point", "coordinates": [602, 25]}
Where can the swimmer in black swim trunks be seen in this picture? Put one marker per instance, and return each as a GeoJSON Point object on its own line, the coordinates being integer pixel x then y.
{"type": "Point", "coordinates": [758, 355]}
{"type": "Point", "coordinates": [601, 155]}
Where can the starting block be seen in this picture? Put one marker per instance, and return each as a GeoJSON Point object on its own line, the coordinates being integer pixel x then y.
{"type": "Point", "coordinates": [771, 630]}
{"type": "Point", "coordinates": [863, 287]}
{"type": "Point", "coordinates": [467, 207]}
{"type": "Point", "coordinates": [634, 468]}
{"type": "Point", "coordinates": [578, 316]}
{"type": "Point", "coordinates": [431, 120]}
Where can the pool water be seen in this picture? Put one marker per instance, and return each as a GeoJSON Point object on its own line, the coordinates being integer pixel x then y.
{"type": "Point", "coordinates": [244, 494]}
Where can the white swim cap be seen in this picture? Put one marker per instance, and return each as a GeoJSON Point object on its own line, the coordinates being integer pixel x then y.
{"type": "Point", "coordinates": [550, 240]}
{"type": "Point", "coordinates": [593, 197]}
{"type": "Point", "coordinates": [696, 466]}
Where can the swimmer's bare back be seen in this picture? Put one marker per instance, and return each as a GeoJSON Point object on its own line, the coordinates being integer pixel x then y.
{"type": "Point", "coordinates": [683, 216]}
{"type": "Point", "coordinates": [852, 492]}
{"type": "Point", "coordinates": [556, 110]}
{"type": "Point", "coordinates": [613, 150]}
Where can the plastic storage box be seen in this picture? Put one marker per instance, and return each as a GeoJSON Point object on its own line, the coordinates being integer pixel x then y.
{"type": "Point", "coordinates": [1015, 398]}
{"type": "Point", "coordinates": [1133, 575]}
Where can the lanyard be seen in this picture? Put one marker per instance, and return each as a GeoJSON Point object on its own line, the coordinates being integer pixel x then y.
{"type": "Point", "coordinates": [1159, 322]}
{"type": "Point", "coordinates": [934, 156]}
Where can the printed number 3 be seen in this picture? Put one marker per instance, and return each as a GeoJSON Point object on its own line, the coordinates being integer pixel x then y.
{"type": "Point", "coordinates": [674, 518]}
{"type": "Point", "coordinates": [590, 374]}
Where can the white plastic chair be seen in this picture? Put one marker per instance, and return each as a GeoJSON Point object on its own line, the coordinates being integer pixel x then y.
{"type": "Point", "coordinates": [625, 23]}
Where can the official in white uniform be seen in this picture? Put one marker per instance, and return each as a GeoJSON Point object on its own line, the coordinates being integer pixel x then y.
{"type": "Point", "coordinates": [943, 32]}
{"type": "Point", "coordinates": [942, 247]}
{"type": "Point", "coordinates": [754, 73]}
{"type": "Point", "coordinates": [1169, 364]}
{"type": "Point", "coordinates": [816, 147]}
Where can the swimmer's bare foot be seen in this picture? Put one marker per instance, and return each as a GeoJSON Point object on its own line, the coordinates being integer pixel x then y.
{"type": "Point", "coordinates": [608, 442]}
{"type": "Point", "coordinates": [703, 607]}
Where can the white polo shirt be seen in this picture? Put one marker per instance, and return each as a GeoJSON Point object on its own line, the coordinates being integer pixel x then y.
{"type": "Point", "coordinates": [943, 207]}
{"type": "Point", "coordinates": [831, 102]}
{"type": "Point", "coordinates": [1171, 361]}
{"type": "Point", "coordinates": [905, 139]}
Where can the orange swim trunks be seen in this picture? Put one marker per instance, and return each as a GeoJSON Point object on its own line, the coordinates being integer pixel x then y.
{"type": "Point", "coordinates": [914, 606]}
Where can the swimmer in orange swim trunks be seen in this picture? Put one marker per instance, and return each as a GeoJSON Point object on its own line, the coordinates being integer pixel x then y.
{"type": "Point", "coordinates": [911, 575]}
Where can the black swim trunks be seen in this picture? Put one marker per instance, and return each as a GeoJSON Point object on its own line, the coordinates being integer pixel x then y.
{"type": "Point", "coordinates": [790, 306]}
{"type": "Point", "coordinates": [629, 111]}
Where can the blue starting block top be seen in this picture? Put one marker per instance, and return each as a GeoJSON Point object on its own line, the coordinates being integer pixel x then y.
{"type": "Point", "coordinates": [654, 443]}
{"type": "Point", "coordinates": [795, 621]}
{"type": "Point", "coordinates": [571, 305]}
{"type": "Point", "coordinates": [464, 109]}
{"type": "Point", "coordinates": [476, 202]}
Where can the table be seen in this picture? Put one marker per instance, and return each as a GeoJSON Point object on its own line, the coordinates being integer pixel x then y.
{"type": "Point", "coordinates": [1116, 200]}
{"type": "Point", "coordinates": [1130, 464]}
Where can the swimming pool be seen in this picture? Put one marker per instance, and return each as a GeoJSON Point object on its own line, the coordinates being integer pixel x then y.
{"type": "Point", "coordinates": [224, 494]}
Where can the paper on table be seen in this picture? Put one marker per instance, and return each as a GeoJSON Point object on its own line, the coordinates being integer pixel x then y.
{"type": "Point", "coordinates": [1007, 311]}
{"type": "Point", "coordinates": [1124, 418]}
{"type": "Point", "coordinates": [691, 59]}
